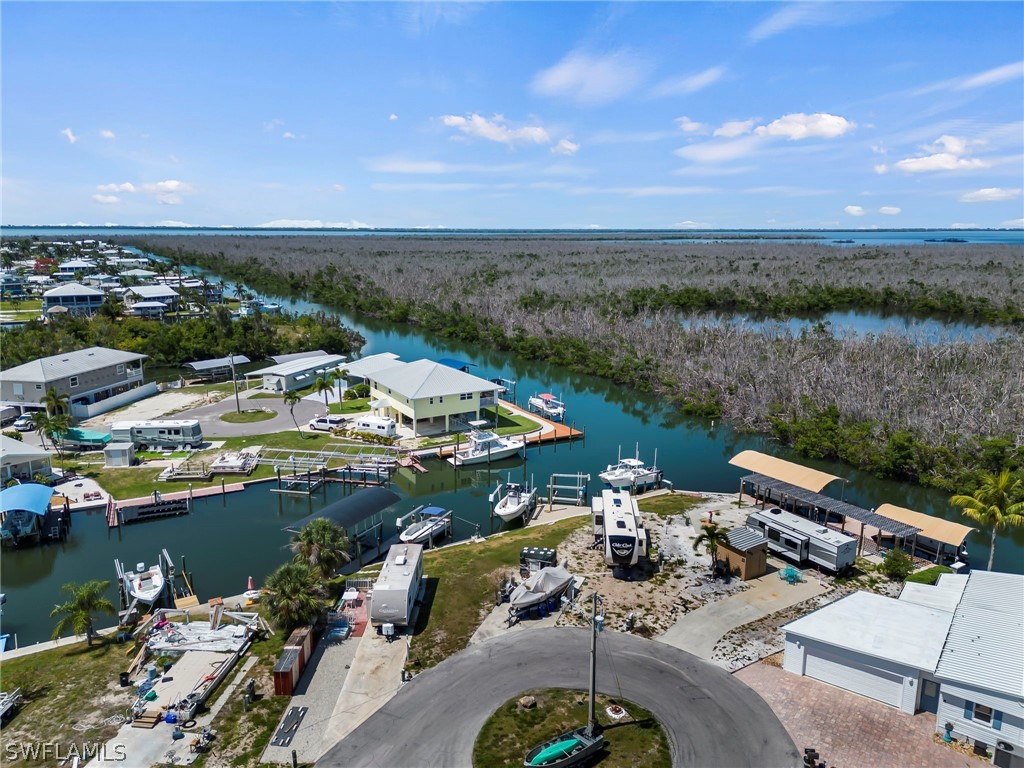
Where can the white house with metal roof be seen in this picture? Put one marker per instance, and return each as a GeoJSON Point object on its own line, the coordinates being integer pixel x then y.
{"type": "Point", "coordinates": [424, 393]}
{"type": "Point", "coordinates": [151, 293]}
{"type": "Point", "coordinates": [96, 380]}
{"type": "Point", "coordinates": [78, 299]}
{"type": "Point", "coordinates": [296, 374]}
{"type": "Point", "coordinates": [359, 371]}
{"type": "Point", "coordinates": [22, 461]}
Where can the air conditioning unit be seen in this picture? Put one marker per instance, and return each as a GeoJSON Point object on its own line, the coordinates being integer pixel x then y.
{"type": "Point", "coordinates": [1005, 746]}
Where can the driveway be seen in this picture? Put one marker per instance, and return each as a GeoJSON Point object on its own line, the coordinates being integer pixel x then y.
{"type": "Point", "coordinates": [847, 729]}
{"type": "Point", "coordinates": [699, 631]}
{"type": "Point", "coordinates": [711, 719]}
{"type": "Point", "coordinates": [209, 416]}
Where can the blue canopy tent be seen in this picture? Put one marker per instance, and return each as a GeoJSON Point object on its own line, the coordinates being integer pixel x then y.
{"type": "Point", "coordinates": [23, 508]}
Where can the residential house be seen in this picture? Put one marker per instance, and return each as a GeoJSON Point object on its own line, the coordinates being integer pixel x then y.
{"type": "Point", "coordinates": [22, 461]}
{"type": "Point", "coordinates": [149, 293]}
{"type": "Point", "coordinates": [72, 269]}
{"type": "Point", "coordinates": [76, 298]}
{"type": "Point", "coordinates": [296, 374]}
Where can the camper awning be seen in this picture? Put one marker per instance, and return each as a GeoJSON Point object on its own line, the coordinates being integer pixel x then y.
{"type": "Point", "coordinates": [931, 527]}
{"type": "Point", "coordinates": [351, 510]}
{"type": "Point", "coordinates": [780, 469]}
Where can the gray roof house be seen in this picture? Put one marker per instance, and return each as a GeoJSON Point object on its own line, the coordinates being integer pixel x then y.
{"type": "Point", "coordinates": [163, 293]}
{"type": "Point", "coordinates": [96, 380]}
{"type": "Point", "coordinates": [78, 299]}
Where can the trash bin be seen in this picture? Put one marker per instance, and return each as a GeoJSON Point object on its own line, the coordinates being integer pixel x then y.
{"type": "Point", "coordinates": [151, 671]}
{"type": "Point", "coordinates": [125, 679]}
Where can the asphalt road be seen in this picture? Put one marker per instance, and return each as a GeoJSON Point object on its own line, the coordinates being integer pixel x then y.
{"type": "Point", "coordinates": [213, 427]}
{"type": "Point", "coordinates": [711, 718]}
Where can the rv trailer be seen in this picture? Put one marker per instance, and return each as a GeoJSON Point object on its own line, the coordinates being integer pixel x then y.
{"type": "Point", "coordinates": [619, 528]}
{"type": "Point", "coordinates": [800, 539]}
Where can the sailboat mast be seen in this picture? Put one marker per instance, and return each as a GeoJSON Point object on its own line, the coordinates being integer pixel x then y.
{"type": "Point", "coordinates": [591, 719]}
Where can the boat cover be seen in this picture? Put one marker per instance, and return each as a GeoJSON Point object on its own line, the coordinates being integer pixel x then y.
{"type": "Point", "coordinates": [540, 586]}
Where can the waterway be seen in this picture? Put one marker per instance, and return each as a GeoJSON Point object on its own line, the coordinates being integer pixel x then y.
{"type": "Point", "coordinates": [227, 539]}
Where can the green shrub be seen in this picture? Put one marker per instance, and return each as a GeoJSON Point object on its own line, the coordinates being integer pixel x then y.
{"type": "Point", "coordinates": [13, 434]}
{"type": "Point", "coordinates": [897, 565]}
{"type": "Point", "coordinates": [928, 575]}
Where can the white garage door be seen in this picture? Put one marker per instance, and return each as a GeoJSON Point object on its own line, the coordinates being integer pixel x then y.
{"type": "Point", "coordinates": [854, 675]}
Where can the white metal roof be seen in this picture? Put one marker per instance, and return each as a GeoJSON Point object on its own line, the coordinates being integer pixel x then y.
{"type": "Point", "coordinates": [153, 291]}
{"type": "Point", "coordinates": [425, 378]}
{"type": "Point", "coordinates": [78, 264]}
{"type": "Point", "coordinates": [278, 359]}
{"type": "Point", "coordinates": [370, 364]}
{"type": "Point", "coordinates": [878, 626]}
{"type": "Point", "coordinates": [310, 364]}
{"type": "Point", "coordinates": [12, 450]}
{"type": "Point", "coordinates": [149, 305]}
{"type": "Point", "coordinates": [985, 645]}
{"type": "Point", "coordinates": [945, 595]}
{"type": "Point", "coordinates": [138, 272]}
{"type": "Point", "coordinates": [72, 289]}
{"type": "Point", "coordinates": [48, 369]}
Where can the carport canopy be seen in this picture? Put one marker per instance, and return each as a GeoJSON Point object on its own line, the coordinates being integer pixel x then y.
{"type": "Point", "coordinates": [27, 497]}
{"type": "Point", "coordinates": [945, 531]}
{"type": "Point", "coordinates": [786, 471]}
{"type": "Point", "coordinates": [352, 510]}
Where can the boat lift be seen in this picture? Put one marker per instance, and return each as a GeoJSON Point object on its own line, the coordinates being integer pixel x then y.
{"type": "Point", "coordinates": [568, 489]}
{"type": "Point", "coordinates": [402, 522]}
{"type": "Point", "coordinates": [496, 495]}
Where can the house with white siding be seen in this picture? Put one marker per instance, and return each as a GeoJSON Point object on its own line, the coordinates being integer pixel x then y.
{"type": "Point", "coordinates": [76, 298]}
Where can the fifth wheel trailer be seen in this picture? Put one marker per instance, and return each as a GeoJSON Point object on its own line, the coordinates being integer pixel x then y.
{"type": "Point", "coordinates": [800, 539]}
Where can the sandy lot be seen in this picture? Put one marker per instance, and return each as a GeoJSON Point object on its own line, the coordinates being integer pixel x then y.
{"type": "Point", "coordinates": [158, 406]}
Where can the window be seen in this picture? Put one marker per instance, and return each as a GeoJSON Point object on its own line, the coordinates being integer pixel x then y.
{"type": "Point", "coordinates": [120, 368]}
{"type": "Point", "coordinates": [73, 381]}
{"type": "Point", "coordinates": [466, 396]}
{"type": "Point", "coordinates": [39, 387]}
{"type": "Point", "coordinates": [19, 389]}
{"type": "Point", "coordinates": [431, 401]}
{"type": "Point", "coordinates": [773, 534]}
{"type": "Point", "coordinates": [790, 543]}
{"type": "Point", "coordinates": [982, 713]}
{"type": "Point", "coordinates": [440, 399]}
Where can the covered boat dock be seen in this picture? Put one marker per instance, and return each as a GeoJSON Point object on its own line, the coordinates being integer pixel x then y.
{"type": "Point", "coordinates": [362, 517]}
{"type": "Point", "coordinates": [27, 515]}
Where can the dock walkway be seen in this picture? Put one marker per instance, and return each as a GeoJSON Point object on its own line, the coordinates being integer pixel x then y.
{"type": "Point", "coordinates": [548, 432]}
{"type": "Point", "coordinates": [196, 493]}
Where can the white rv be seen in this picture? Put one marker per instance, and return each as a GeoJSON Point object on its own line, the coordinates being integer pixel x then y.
{"type": "Point", "coordinates": [619, 528]}
{"type": "Point", "coordinates": [397, 586]}
{"type": "Point", "coordinates": [800, 539]}
{"type": "Point", "coordinates": [377, 425]}
{"type": "Point", "coordinates": [159, 433]}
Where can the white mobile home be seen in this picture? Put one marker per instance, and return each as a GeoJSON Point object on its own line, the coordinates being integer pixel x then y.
{"type": "Point", "coordinates": [397, 586]}
{"type": "Point", "coordinates": [619, 528]}
{"type": "Point", "coordinates": [159, 433]}
{"type": "Point", "coordinates": [800, 539]}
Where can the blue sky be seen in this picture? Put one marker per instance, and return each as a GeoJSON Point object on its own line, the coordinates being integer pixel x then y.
{"type": "Point", "coordinates": [523, 115]}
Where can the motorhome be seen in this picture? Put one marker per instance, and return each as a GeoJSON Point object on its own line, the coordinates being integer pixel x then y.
{"type": "Point", "coordinates": [618, 528]}
{"type": "Point", "coordinates": [377, 425]}
{"type": "Point", "coordinates": [397, 586]}
{"type": "Point", "coordinates": [159, 433]}
{"type": "Point", "coordinates": [800, 539]}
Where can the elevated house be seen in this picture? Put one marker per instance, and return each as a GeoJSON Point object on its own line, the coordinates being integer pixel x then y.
{"type": "Point", "coordinates": [72, 269]}
{"type": "Point", "coordinates": [96, 380]}
{"type": "Point", "coordinates": [154, 293]}
{"type": "Point", "coordinates": [76, 298]}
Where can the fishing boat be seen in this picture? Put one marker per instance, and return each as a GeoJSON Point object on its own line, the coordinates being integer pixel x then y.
{"type": "Point", "coordinates": [144, 584]}
{"type": "Point", "coordinates": [540, 587]}
{"type": "Point", "coordinates": [518, 499]}
{"type": "Point", "coordinates": [579, 744]}
{"type": "Point", "coordinates": [632, 473]}
{"type": "Point", "coordinates": [548, 405]}
{"type": "Point", "coordinates": [433, 522]}
{"type": "Point", "coordinates": [484, 447]}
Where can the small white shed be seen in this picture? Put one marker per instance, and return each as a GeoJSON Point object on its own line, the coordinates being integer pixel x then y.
{"type": "Point", "coordinates": [117, 455]}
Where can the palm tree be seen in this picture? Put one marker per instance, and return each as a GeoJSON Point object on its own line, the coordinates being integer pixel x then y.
{"type": "Point", "coordinates": [339, 375]}
{"type": "Point", "coordinates": [56, 402]}
{"type": "Point", "coordinates": [324, 385]}
{"type": "Point", "coordinates": [321, 545]}
{"type": "Point", "coordinates": [41, 421]}
{"type": "Point", "coordinates": [291, 399]}
{"type": "Point", "coordinates": [76, 613]}
{"type": "Point", "coordinates": [56, 427]}
{"type": "Point", "coordinates": [295, 596]}
{"type": "Point", "coordinates": [713, 535]}
{"type": "Point", "coordinates": [997, 502]}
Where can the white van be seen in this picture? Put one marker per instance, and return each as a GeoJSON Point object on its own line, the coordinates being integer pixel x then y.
{"type": "Point", "coordinates": [378, 425]}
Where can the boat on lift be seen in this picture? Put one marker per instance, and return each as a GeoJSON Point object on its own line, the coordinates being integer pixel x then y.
{"type": "Point", "coordinates": [144, 584]}
{"type": "Point", "coordinates": [632, 473]}
{"type": "Point", "coordinates": [517, 500]}
{"type": "Point", "coordinates": [547, 405]}
{"type": "Point", "coordinates": [432, 522]}
{"type": "Point", "coordinates": [486, 446]}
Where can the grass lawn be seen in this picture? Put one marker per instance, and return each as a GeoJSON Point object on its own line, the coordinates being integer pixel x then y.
{"type": "Point", "coordinates": [359, 405]}
{"type": "Point", "coordinates": [34, 306]}
{"type": "Point", "coordinates": [508, 422]}
{"type": "Point", "coordinates": [669, 504]}
{"type": "Point", "coordinates": [138, 482]}
{"type": "Point", "coordinates": [928, 575]}
{"type": "Point", "coordinates": [462, 580]}
{"type": "Point", "coordinates": [247, 417]}
{"type": "Point", "coordinates": [511, 732]}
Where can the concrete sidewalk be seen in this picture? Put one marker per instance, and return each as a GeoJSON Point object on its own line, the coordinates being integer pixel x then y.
{"type": "Point", "coordinates": [699, 631]}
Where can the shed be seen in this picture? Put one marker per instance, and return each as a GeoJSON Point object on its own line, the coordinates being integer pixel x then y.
{"type": "Point", "coordinates": [286, 672]}
{"type": "Point", "coordinates": [301, 638]}
{"type": "Point", "coordinates": [746, 552]}
{"type": "Point", "coordinates": [117, 455]}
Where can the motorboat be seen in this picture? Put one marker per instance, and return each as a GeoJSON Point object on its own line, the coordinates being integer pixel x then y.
{"type": "Point", "coordinates": [518, 499]}
{"type": "Point", "coordinates": [144, 584]}
{"type": "Point", "coordinates": [548, 405]}
{"type": "Point", "coordinates": [486, 446]}
{"type": "Point", "coordinates": [632, 473]}
{"type": "Point", "coordinates": [433, 522]}
{"type": "Point", "coordinates": [544, 584]}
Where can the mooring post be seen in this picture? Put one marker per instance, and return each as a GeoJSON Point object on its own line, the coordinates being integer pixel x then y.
{"type": "Point", "coordinates": [222, 491]}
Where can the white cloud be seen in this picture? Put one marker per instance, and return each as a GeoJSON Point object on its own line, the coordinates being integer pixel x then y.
{"type": "Point", "coordinates": [272, 124]}
{"type": "Point", "coordinates": [816, 14]}
{"type": "Point", "coordinates": [565, 147]}
{"type": "Point", "coordinates": [890, 210]}
{"type": "Point", "coordinates": [950, 158]}
{"type": "Point", "coordinates": [70, 136]}
{"type": "Point", "coordinates": [106, 199]}
{"type": "Point", "coordinates": [798, 126]}
{"type": "Point", "coordinates": [1013, 224]}
{"type": "Point", "coordinates": [496, 129]}
{"type": "Point", "coordinates": [854, 210]}
{"type": "Point", "coordinates": [402, 165]}
{"type": "Point", "coordinates": [963, 225]}
{"type": "Point", "coordinates": [690, 225]}
{"type": "Point", "coordinates": [313, 224]}
{"type": "Point", "coordinates": [734, 128]}
{"type": "Point", "coordinates": [107, 134]}
{"type": "Point", "coordinates": [993, 76]}
{"type": "Point", "coordinates": [881, 168]}
{"type": "Point", "coordinates": [591, 80]}
{"type": "Point", "coordinates": [719, 151]}
{"type": "Point", "coordinates": [126, 187]}
{"type": "Point", "coordinates": [690, 83]}
{"type": "Point", "coordinates": [338, 187]}
{"type": "Point", "coordinates": [686, 125]}
{"type": "Point", "coordinates": [392, 116]}
{"type": "Point", "coordinates": [990, 195]}
{"type": "Point", "coordinates": [287, 135]}
{"type": "Point", "coordinates": [169, 192]}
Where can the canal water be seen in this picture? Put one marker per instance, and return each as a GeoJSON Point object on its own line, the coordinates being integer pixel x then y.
{"type": "Point", "coordinates": [228, 538]}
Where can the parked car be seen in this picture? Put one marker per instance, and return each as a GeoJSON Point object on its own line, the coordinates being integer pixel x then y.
{"type": "Point", "coordinates": [24, 423]}
{"type": "Point", "coordinates": [327, 423]}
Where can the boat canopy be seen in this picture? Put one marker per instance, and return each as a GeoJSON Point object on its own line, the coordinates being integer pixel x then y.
{"type": "Point", "coordinates": [351, 510]}
{"type": "Point", "coordinates": [931, 527]}
{"type": "Point", "coordinates": [780, 469]}
{"type": "Point", "coordinates": [547, 396]}
{"type": "Point", "coordinates": [432, 511]}
{"type": "Point", "coordinates": [459, 365]}
{"type": "Point", "coordinates": [27, 497]}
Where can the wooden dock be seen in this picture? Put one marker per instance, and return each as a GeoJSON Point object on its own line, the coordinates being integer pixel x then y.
{"type": "Point", "coordinates": [548, 431]}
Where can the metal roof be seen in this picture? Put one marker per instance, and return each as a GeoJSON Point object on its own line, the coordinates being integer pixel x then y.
{"type": "Point", "coordinates": [945, 595]}
{"type": "Point", "coordinates": [881, 522]}
{"type": "Point", "coordinates": [780, 469]}
{"type": "Point", "coordinates": [351, 510]}
{"type": "Point", "coordinates": [56, 367]}
{"type": "Point", "coordinates": [365, 366]}
{"type": "Point", "coordinates": [932, 527]}
{"type": "Point", "coordinates": [72, 289]}
{"type": "Point", "coordinates": [29, 497]}
{"type": "Point", "coordinates": [217, 362]}
{"type": "Point", "coordinates": [152, 291]}
{"type": "Point", "coordinates": [311, 364]}
{"type": "Point", "coordinates": [745, 539]}
{"type": "Point", "coordinates": [983, 647]}
{"type": "Point", "coordinates": [149, 305]}
{"type": "Point", "coordinates": [12, 450]}
{"type": "Point", "coordinates": [425, 378]}
{"type": "Point", "coordinates": [138, 272]}
{"type": "Point", "coordinates": [278, 359]}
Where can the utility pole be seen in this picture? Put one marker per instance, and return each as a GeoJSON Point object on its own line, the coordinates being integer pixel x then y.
{"type": "Point", "coordinates": [234, 382]}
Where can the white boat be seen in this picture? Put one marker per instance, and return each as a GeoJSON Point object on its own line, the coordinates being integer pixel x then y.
{"type": "Point", "coordinates": [632, 473]}
{"type": "Point", "coordinates": [433, 522]}
{"type": "Point", "coordinates": [548, 405]}
{"type": "Point", "coordinates": [517, 500]}
{"type": "Point", "coordinates": [144, 584]}
{"type": "Point", "coordinates": [484, 447]}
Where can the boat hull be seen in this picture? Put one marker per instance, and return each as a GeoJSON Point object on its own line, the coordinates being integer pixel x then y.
{"type": "Point", "coordinates": [507, 510]}
{"type": "Point", "coordinates": [421, 535]}
{"type": "Point", "coordinates": [464, 459]}
{"type": "Point", "coordinates": [570, 748]}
